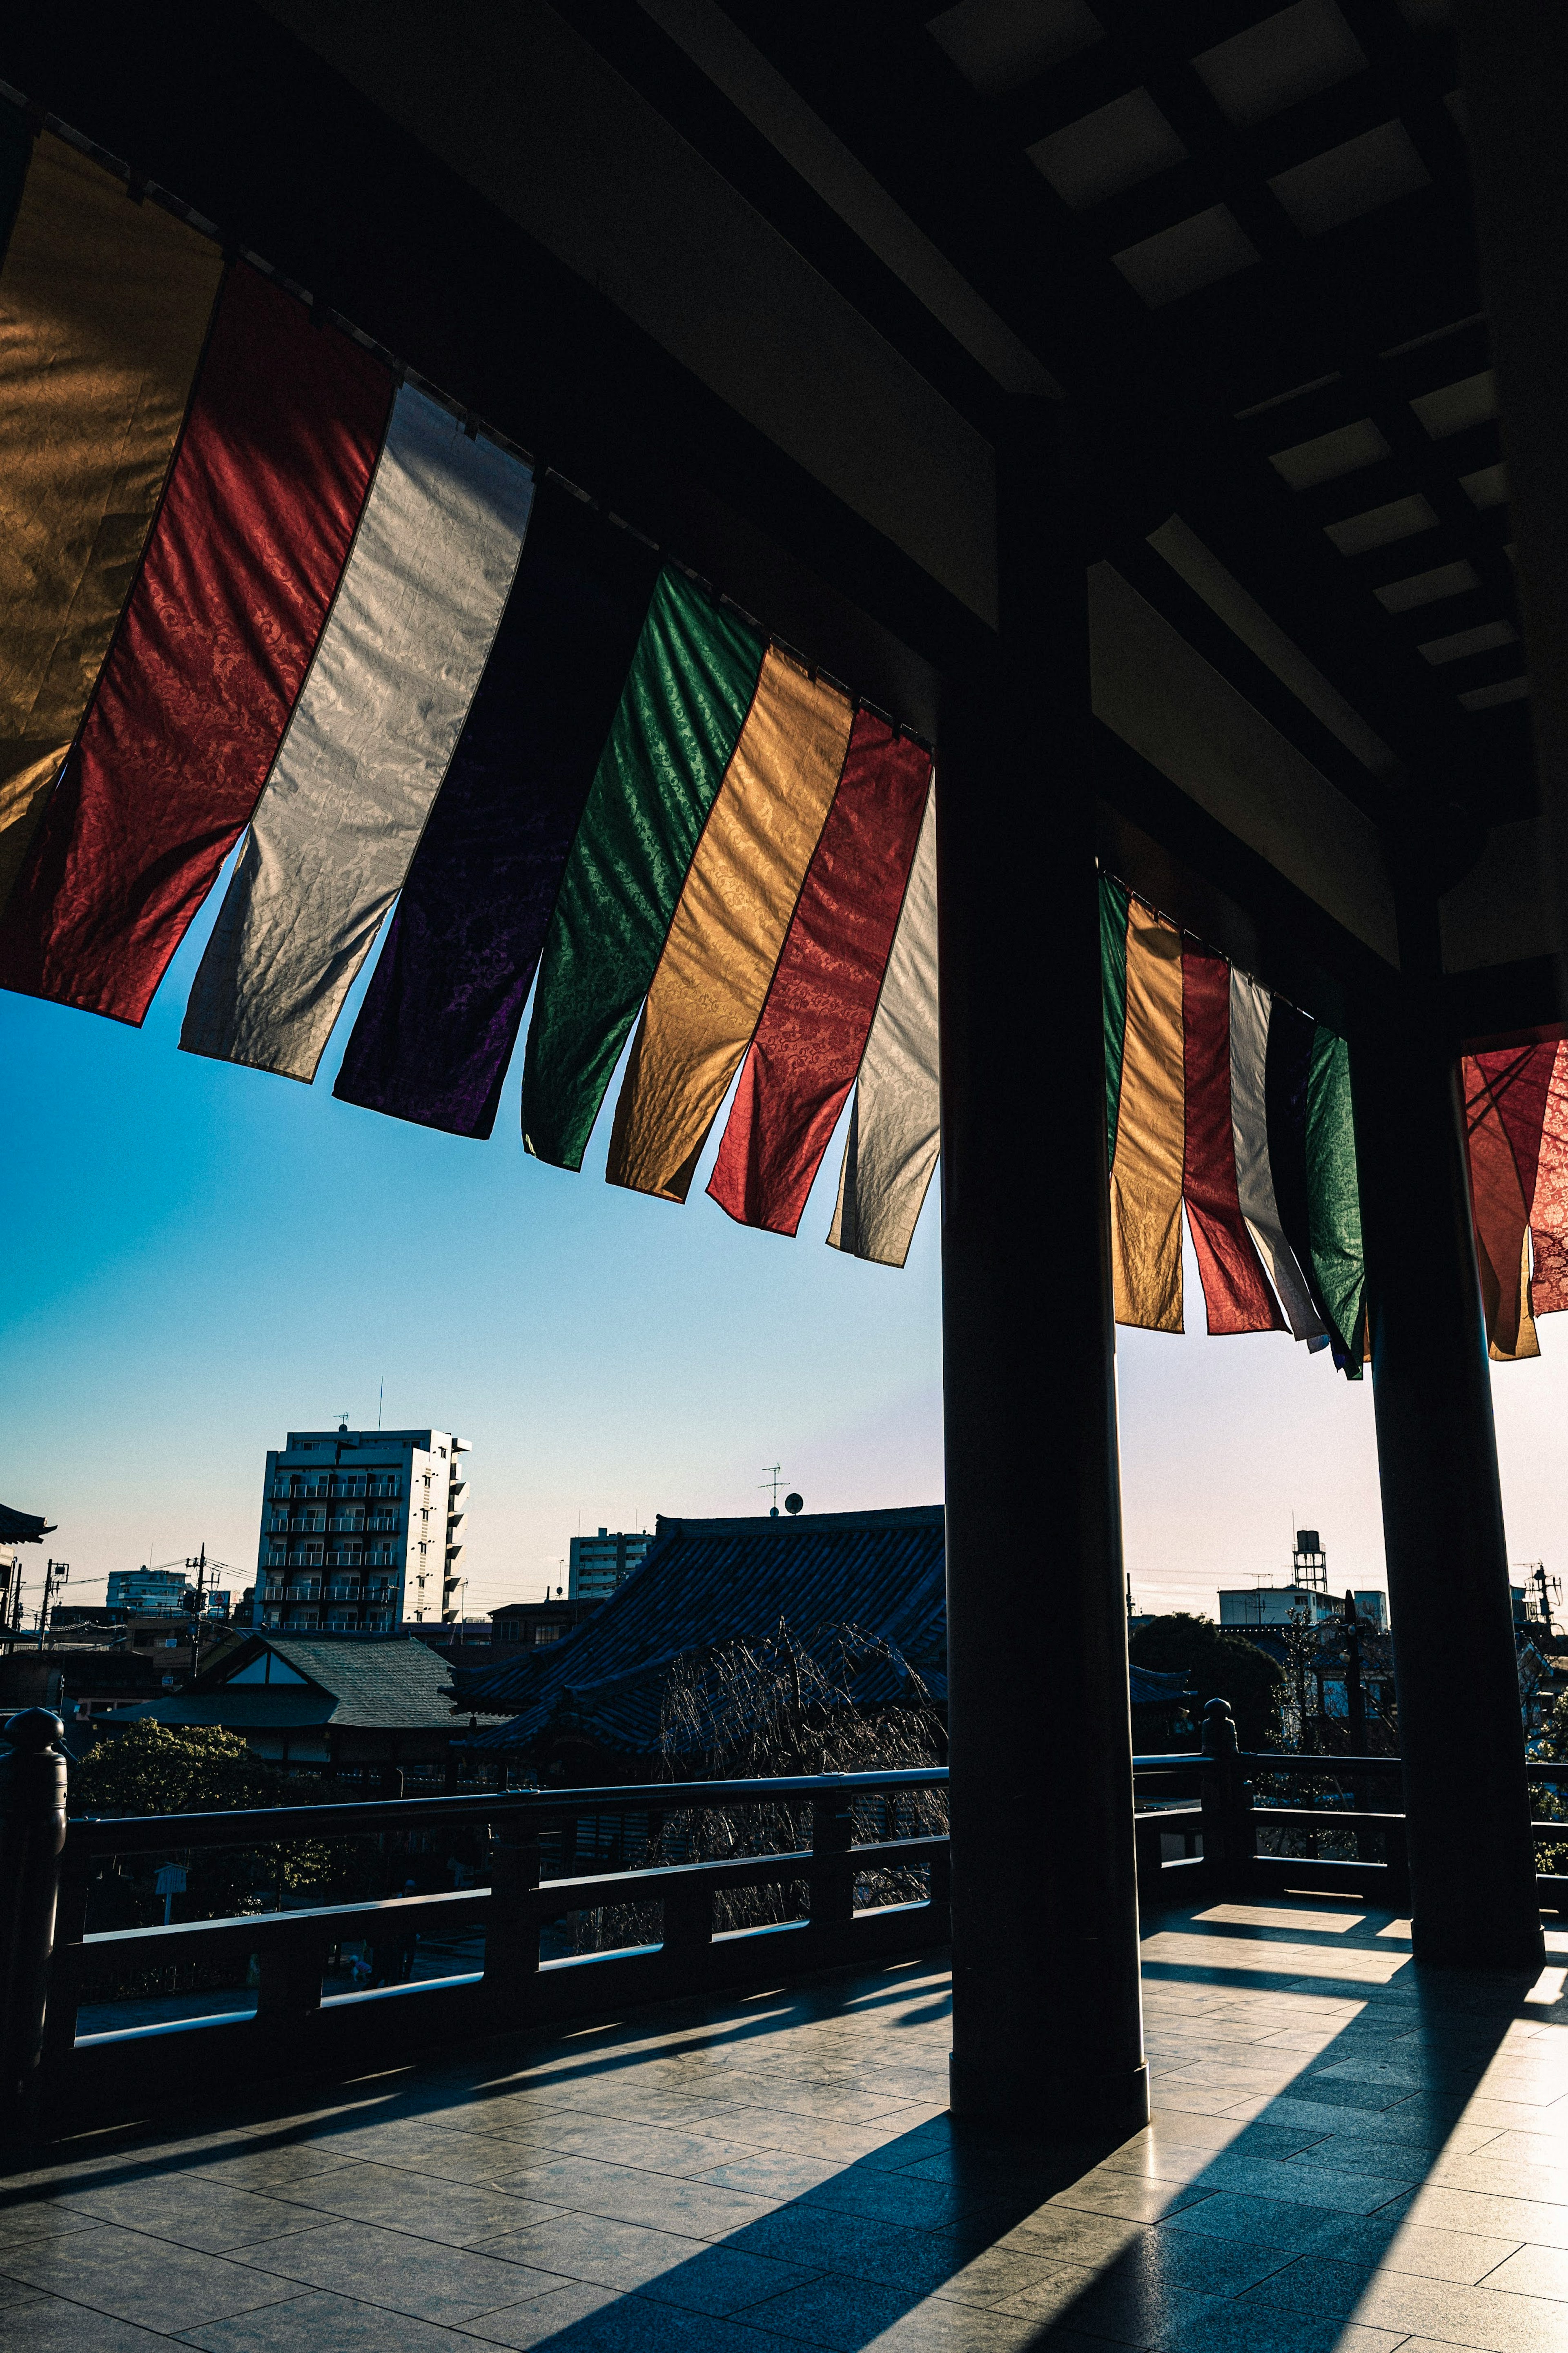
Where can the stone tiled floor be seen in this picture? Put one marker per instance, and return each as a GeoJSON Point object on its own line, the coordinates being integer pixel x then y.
{"type": "Point", "coordinates": [1342, 2155]}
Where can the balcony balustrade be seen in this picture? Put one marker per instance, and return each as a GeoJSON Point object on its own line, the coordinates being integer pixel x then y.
{"type": "Point", "coordinates": [329, 1489]}
{"type": "Point", "coordinates": [1217, 1822]}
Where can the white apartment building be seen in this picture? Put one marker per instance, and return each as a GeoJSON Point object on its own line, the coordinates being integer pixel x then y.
{"type": "Point", "coordinates": [360, 1528]}
{"type": "Point", "coordinates": [159, 1593]}
{"type": "Point", "coordinates": [1305, 1599]}
{"type": "Point", "coordinates": [598, 1563]}
{"type": "Point", "coordinates": [1284, 1605]}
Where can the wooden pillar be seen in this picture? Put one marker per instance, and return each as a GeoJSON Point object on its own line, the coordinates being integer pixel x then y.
{"type": "Point", "coordinates": [32, 1840]}
{"type": "Point", "coordinates": [1472, 1859]}
{"type": "Point", "coordinates": [1047, 2032]}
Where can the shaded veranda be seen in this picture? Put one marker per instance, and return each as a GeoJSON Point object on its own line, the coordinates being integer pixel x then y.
{"type": "Point", "coordinates": [1344, 2153]}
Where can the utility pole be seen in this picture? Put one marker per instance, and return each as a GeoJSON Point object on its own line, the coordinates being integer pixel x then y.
{"type": "Point", "coordinates": [197, 1612]}
{"type": "Point", "coordinates": [56, 1572]}
{"type": "Point", "coordinates": [1356, 1703]}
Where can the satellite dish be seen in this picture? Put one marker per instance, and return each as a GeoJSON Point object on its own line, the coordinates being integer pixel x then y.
{"type": "Point", "coordinates": [793, 1503]}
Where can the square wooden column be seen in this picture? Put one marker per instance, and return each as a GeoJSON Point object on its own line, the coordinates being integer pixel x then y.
{"type": "Point", "coordinates": [1048, 2026]}
{"type": "Point", "coordinates": [1472, 1861]}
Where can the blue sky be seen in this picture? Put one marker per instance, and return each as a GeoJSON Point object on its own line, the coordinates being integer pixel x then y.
{"type": "Point", "coordinates": [203, 1257]}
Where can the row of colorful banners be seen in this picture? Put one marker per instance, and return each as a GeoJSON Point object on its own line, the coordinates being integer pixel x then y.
{"type": "Point", "coordinates": [254, 584]}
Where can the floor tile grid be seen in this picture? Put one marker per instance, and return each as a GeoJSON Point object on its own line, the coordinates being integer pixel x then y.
{"type": "Point", "coordinates": [1179, 2212]}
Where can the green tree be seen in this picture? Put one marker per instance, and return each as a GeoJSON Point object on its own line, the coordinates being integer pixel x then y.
{"type": "Point", "coordinates": [156, 1769]}
{"type": "Point", "coordinates": [150, 1769]}
{"type": "Point", "coordinates": [1220, 1665]}
{"type": "Point", "coordinates": [1549, 1799]}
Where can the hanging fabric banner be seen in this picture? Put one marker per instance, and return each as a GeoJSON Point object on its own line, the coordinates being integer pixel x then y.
{"type": "Point", "coordinates": [1146, 1174]}
{"type": "Point", "coordinates": [1113, 904]}
{"type": "Point", "coordinates": [895, 1121]}
{"type": "Point", "coordinates": [1333, 1198]}
{"type": "Point", "coordinates": [1507, 1098]}
{"type": "Point", "coordinates": [1226, 1102]}
{"type": "Point", "coordinates": [104, 304]}
{"type": "Point", "coordinates": [440, 1019]}
{"type": "Point", "coordinates": [376, 725]}
{"type": "Point", "coordinates": [1287, 1070]}
{"type": "Point", "coordinates": [250, 541]}
{"type": "Point", "coordinates": [1250, 1010]}
{"type": "Point", "coordinates": [1236, 1294]}
{"type": "Point", "coordinates": [679, 718]}
{"type": "Point", "coordinates": [803, 1060]}
{"type": "Point", "coordinates": [1549, 1204]}
{"type": "Point", "coordinates": [729, 926]}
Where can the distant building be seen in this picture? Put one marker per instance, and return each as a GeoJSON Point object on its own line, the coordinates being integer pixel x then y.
{"type": "Point", "coordinates": [1305, 1599]}
{"type": "Point", "coordinates": [1283, 1604]}
{"type": "Point", "coordinates": [157, 1593]}
{"type": "Point", "coordinates": [591, 1707]}
{"type": "Point", "coordinates": [598, 1563]}
{"type": "Point", "coordinates": [360, 1528]}
{"type": "Point", "coordinates": [164, 1641]}
{"type": "Point", "coordinates": [363, 1711]}
{"type": "Point", "coordinates": [517, 1623]}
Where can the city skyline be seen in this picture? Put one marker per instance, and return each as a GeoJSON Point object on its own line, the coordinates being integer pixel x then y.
{"type": "Point", "coordinates": [208, 1256]}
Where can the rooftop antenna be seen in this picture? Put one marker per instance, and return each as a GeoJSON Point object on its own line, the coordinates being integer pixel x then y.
{"type": "Point", "coordinates": [775, 1481]}
{"type": "Point", "coordinates": [379, 1401]}
{"type": "Point", "coordinates": [343, 1422]}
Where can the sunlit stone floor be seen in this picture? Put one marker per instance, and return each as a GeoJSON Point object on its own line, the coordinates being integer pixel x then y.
{"type": "Point", "coordinates": [1342, 2156]}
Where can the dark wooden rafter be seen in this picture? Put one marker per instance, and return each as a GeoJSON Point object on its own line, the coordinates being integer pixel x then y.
{"type": "Point", "coordinates": [1165, 385]}
{"type": "Point", "coordinates": [663, 73]}
{"type": "Point", "coordinates": [1405, 81]}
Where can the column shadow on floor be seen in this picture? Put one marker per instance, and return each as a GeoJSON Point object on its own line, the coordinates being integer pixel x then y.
{"type": "Point", "coordinates": [1265, 2244]}
{"type": "Point", "coordinates": [1256, 2230]}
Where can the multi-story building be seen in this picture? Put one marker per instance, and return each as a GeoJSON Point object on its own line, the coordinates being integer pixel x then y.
{"type": "Point", "coordinates": [598, 1563]}
{"type": "Point", "coordinates": [158, 1593]}
{"type": "Point", "coordinates": [1306, 1601]}
{"type": "Point", "coordinates": [1285, 1605]}
{"type": "Point", "coordinates": [360, 1529]}
{"type": "Point", "coordinates": [537, 1621]}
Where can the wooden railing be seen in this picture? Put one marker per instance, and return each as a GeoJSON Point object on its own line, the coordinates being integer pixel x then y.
{"type": "Point", "coordinates": [1239, 1836]}
{"type": "Point", "coordinates": [1202, 1830]}
{"type": "Point", "coordinates": [47, 1868]}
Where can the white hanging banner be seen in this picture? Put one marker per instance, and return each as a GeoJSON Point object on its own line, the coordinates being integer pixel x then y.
{"type": "Point", "coordinates": [895, 1122]}
{"type": "Point", "coordinates": [370, 738]}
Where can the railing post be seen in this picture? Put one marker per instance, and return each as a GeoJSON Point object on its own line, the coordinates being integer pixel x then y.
{"type": "Point", "coordinates": [32, 1840]}
{"type": "Point", "coordinates": [689, 1918]}
{"type": "Point", "coordinates": [289, 1986]}
{"type": "Point", "coordinates": [65, 1968]}
{"type": "Point", "coordinates": [1147, 1842]}
{"type": "Point", "coordinates": [941, 1897]}
{"type": "Point", "coordinates": [1229, 1831]}
{"type": "Point", "coordinates": [832, 1904]}
{"type": "Point", "coordinates": [511, 1926]}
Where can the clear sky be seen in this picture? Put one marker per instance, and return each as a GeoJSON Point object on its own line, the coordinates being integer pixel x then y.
{"type": "Point", "coordinates": [202, 1257]}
